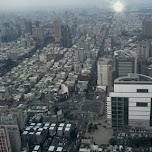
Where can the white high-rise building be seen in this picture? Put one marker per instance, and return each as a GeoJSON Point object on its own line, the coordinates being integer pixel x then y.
{"type": "Point", "coordinates": [131, 102]}
{"type": "Point", "coordinates": [143, 50]}
{"type": "Point", "coordinates": [104, 72]}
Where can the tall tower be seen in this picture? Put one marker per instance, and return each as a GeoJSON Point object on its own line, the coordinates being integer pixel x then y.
{"type": "Point", "coordinates": [104, 73]}
{"type": "Point", "coordinates": [147, 27]}
{"type": "Point", "coordinates": [9, 123]}
{"type": "Point", "coordinates": [143, 50]}
{"type": "Point", "coordinates": [38, 32]}
{"type": "Point", "coordinates": [79, 55]}
{"type": "Point", "coordinates": [66, 36]}
{"type": "Point", "coordinates": [57, 30]}
{"type": "Point", "coordinates": [4, 140]}
{"type": "Point", "coordinates": [28, 27]}
{"type": "Point", "coordinates": [37, 23]}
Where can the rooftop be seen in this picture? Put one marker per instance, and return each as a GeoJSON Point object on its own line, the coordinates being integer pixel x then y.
{"type": "Point", "coordinates": [134, 79]}
{"type": "Point", "coordinates": [125, 54]}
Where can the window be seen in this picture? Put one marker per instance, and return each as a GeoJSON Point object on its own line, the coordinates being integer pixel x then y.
{"type": "Point", "coordinates": [114, 121]}
{"type": "Point", "coordinates": [120, 99]}
{"type": "Point", "coordinates": [142, 90]}
{"type": "Point", "coordinates": [119, 111]}
{"type": "Point", "coordinates": [151, 113]}
{"type": "Point", "coordinates": [126, 100]}
{"type": "Point", "coordinates": [141, 104]}
{"type": "Point", "coordinates": [114, 112]}
{"type": "Point", "coordinates": [114, 99]}
{"type": "Point", "coordinates": [114, 103]}
{"type": "Point", "coordinates": [114, 108]}
{"type": "Point", "coordinates": [120, 108]}
{"type": "Point", "coordinates": [120, 104]}
{"type": "Point", "coordinates": [120, 117]}
{"type": "Point", "coordinates": [114, 116]}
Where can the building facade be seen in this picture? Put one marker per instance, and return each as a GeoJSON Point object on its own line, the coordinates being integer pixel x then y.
{"type": "Point", "coordinates": [107, 44]}
{"type": "Point", "coordinates": [143, 50]}
{"type": "Point", "coordinates": [104, 71]}
{"type": "Point", "coordinates": [147, 27]}
{"type": "Point", "coordinates": [58, 30]}
{"type": "Point", "coordinates": [125, 63]}
{"type": "Point", "coordinates": [66, 37]}
{"type": "Point", "coordinates": [131, 102]}
{"type": "Point", "coordinates": [79, 55]}
{"type": "Point", "coordinates": [28, 27]}
{"type": "Point", "coordinates": [38, 32]}
{"type": "Point", "coordinates": [9, 124]}
{"type": "Point", "coordinates": [4, 140]}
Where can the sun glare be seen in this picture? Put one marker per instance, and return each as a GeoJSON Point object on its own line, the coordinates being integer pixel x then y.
{"type": "Point", "coordinates": [118, 7]}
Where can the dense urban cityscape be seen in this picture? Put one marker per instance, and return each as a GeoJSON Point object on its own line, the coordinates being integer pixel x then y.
{"type": "Point", "coordinates": [76, 79]}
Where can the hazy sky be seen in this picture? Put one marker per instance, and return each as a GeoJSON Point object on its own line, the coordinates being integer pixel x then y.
{"type": "Point", "coordinates": [17, 3]}
{"type": "Point", "coordinates": [34, 3]}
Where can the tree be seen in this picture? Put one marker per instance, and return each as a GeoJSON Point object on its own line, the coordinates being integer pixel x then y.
{"type": "Point", "coordinates": [113, 141]}
{"type": "Point", "coordinates": [89, 130]}
{"type": "Point", "coordinates": [73, 134]}
{"type": "Point", "coordinates": [56, 109]}
{"type": "Point", "coordinates": [139, 142]}
{"type": "Point", "coordinates": [95, 127]}
{"type": "Point", "coordinates": [90, 127]}
{"type": "Point", "coordinates": [22, 99]}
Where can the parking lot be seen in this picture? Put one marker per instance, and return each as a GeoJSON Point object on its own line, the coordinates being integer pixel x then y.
{"type": "Point", "coordinates": [136, 138]}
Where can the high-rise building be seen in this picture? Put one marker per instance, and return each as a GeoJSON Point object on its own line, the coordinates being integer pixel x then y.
{"type": "Point", "coordinates": [141, 66]}
{"type": "Point", "coordinates": [93, 54]}
{"type": "Point", "coordinates": [107, 44]}
{"type": "Point", "coordinates": [5, 94]}
{"type": "Point", "coordinates": [81, 42]}
{"type": "Point", "coordinates": [66, 37]}
{"type": "Point", "coordinates": [143, 50]}
{"type": "Point", "coordinates": [14, 137]}
{"type": "Point", "coordinates": [28, 27]}
{"type": "Point", "coordinates": [74, 27]}
{"type": "Point", "coordinates": [150, 48]}
{"type": "Point", "coordinates": [104, 73]}
{"type": "Point", "coordinates": [147, 27]}
{"type": "Point", "coordinates": [77, 67]}
{"type": "Point", "coordinates": [5, 29]}
{"type": "Point", "coordinates": [0, 40]}
{"type": "Point", "coordinates": [4, 140]}
{"type": "Point", "coordinates": [149, 70]}
{"type": "Point", "coordinates": [16, 112]}
{"type": "Point", "coordinates": [9, 122]}
{"type": "Point", "coordinates": [131, 102]}
{"type": "Point", "coordinates": [58, 30]}
{"type": "Point", "coordinates": [38, 32]}
{"type": "Point", "coordinates": [37, 23]}
{"type": "Point", "coordinates": [79, 55]}
{"type": "Point", "coordinates": [125, 62]}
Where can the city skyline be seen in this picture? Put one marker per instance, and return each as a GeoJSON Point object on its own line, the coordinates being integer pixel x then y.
{"type": "Point", "coordinates": [75, 76]}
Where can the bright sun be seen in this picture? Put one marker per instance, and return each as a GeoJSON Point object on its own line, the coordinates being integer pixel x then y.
{"type": "Point", "coordinates": [118, 7]}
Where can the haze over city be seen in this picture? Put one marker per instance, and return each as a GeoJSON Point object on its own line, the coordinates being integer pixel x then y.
{"type": "Point", "coordinates": [75, 76]}
{"type": "Point", "coordinates": [68, 3]}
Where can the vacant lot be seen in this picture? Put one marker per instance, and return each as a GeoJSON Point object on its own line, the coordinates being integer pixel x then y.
{"type": "Point", "coordinates": [102, 134]}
